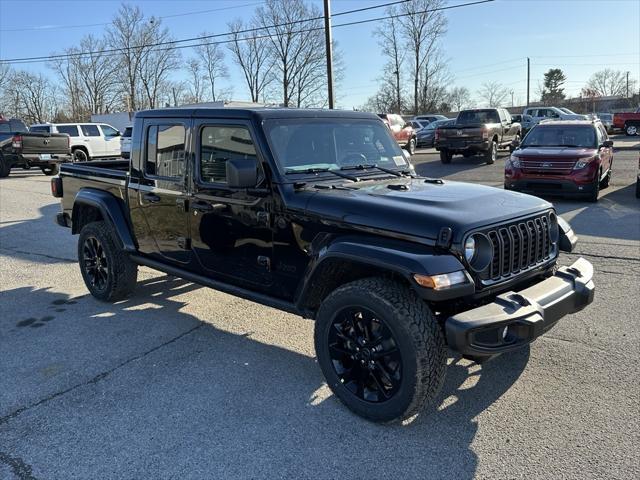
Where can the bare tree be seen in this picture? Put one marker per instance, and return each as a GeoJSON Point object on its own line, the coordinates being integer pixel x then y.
{"type": "Point", "coordinates": [212, 57]}
{"type": "Point", "coordinates": [253, 58]}
{"type": "Point", "coordinates": [194, 82]}
{"type": "Point", "coordinates": [298, 55]}
{"type": "Point", "coordinates": [459, 97]}
{"type": "Point", "coordinates": [33, 97]}
{"type": "Point", "coordinates": [422, 29]}
{"type": "Point", "coordinates": [4, 74]}
{"type": "Point", "coordinates": [433, 83]}
{"type": "Point", "coordinates": [609, 82]}
{"type": "Point", "coordinates": [493, 93]}
{"type": "Point", "coordinates": [389, 39]}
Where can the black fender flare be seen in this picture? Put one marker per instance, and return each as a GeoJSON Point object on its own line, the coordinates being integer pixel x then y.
{"type": "Point", "coordinates": [111, 210]}
{"type": "Point", "coordinates": [395, 256]}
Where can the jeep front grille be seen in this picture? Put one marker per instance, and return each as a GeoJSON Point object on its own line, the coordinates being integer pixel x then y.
{"type": "Point", "coordinates": [518, 247]}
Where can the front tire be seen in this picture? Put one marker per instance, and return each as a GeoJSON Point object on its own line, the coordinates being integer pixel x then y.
{"type": "Point", "coordinates": [107, 270]}
{"type": "Point", "coordinates": [593, 196]}
{"type": "Point", "coordinates": [380, 349]}
{"type": "Point", "coordinates": [631, 130]}
{"type": "Point", "coordinates": [5, 167]}
{"type": "Point", "coordinates": [445, 156]}
{"type": "Point", "coordinates": [411, 146]}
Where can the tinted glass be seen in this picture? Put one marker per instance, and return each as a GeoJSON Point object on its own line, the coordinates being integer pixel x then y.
{"type": "Point", "coordinates": [4, 127]}
{"type": "Point", "coordinates": [478, 116]}
{"type": "Point", "coordinates": [561, 136]}
{"type": "Point", "coordinates": [90, 130]}
{"type": "Point", "coordinates": [127, 132]}
{"type": "Point", "coordinates": [300, 144]}
{"type": "Point", "coordinates": [165, 151]}
{"type": "Point", "coordinates": [108, 131]}
{"type": "Point", "coordinates": [219, 144]}
{"type": "Point", "coordinates": [71, 130]}
{"type": "Point", "coordinates": [41, 128]}
{"type": "Point", "coordinates": [18, 126]}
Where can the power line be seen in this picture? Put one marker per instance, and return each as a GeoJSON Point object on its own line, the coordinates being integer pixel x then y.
{"type": "Point", "coordinates": [248, 30]}
{"type": "Point", "coordinates": [43, 28]}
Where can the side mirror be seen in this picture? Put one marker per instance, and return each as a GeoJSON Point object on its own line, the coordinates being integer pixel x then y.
{"type": "Point", "coordinates": [607, 144]}
{"type": "Point", "coordinates": [242, 172]}
{"type": "Point", "coordinates": [515, 143]}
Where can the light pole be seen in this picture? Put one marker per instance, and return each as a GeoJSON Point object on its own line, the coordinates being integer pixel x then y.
{"type": "Point", "coordinates": [327, 39]}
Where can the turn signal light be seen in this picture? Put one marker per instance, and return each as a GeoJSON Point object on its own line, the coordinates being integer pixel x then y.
{"type": "Point", "coordinates": [16, 142]}
{"type": "Point", "coordinates": [439, 282]}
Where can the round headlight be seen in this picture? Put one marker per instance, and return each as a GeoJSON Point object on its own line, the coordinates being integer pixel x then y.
{"type": "Point", "coordinates": [470, 249]}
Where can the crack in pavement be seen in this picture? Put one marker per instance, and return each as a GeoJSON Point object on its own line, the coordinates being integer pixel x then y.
{"type": "Point", "coordinates": [19, 467]}
{"type": "Point", "coordinates": [611, 257]}
{"type": "Point", "coordinates": [96, 378]}
{"type": "Point", "coordinates": [50, 257]}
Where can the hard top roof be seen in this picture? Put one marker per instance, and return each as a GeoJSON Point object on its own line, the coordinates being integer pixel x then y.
{"type": "Point", "coordinates": [251, 113]}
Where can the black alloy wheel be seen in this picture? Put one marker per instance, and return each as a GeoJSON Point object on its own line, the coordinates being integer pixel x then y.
{"type": "Point", "coordinates": [364, 354]}
{"type": "Point", "coordinates": [95, 264]}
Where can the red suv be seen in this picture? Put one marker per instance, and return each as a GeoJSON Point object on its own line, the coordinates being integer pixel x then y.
{"type": "Point", "coordinates": [564, 157]}
{"type": "Point", "coordinates": [402, 131]}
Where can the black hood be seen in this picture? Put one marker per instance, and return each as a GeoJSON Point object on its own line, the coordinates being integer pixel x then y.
{"type": "Point", "coordinates": [423, 208]}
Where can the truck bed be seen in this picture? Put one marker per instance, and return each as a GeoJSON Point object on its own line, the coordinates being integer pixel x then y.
{"type": "Point", "coordinates": [107, 169]}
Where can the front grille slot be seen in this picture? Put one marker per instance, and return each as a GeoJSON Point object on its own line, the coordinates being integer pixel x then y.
{"type": "Point", "coordinates": [518, 247]}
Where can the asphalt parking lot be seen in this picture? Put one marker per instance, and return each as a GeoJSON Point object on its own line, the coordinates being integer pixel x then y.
{"type": "Point", "coordinates": [181, 381]}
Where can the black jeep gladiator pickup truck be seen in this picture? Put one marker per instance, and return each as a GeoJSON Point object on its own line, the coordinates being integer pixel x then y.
{"type": "Point", "coordinates": [478, 131]}
{"type": "Point", "coordinates": [19, 147]}
{"type": "Point", "coordinates": [320, 213]}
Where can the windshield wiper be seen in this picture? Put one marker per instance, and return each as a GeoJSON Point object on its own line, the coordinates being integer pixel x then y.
{"type": "Point", "coordinates": [323, 170]}
{"type": "Point", "coordinates": [373, 165]}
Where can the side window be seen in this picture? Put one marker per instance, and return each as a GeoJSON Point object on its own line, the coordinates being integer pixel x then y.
{"type": "Point", "coordinates": [165, 151]}
{"type": "Point", "coordinates": [71, 130]}
{"type": "Point", "coordinates": [531, 112]}
{"type": "Point", "coordinates": [108, 131]}
{"type": "Point", "coordinates": [603, 131]}
{"type": "Point", "coordinates": [90, 130]}
{"type": "Point", "coordinates": [219, 144]}
{"type": "Point", "coordinates": [501, 115]}
{"type": "Point", "coordinates": [18, 127]}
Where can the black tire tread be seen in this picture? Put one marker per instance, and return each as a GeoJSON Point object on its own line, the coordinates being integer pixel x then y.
{"type": "Point", "coordinates": [416, 317]}
{"type": "Point", "coordinates": [5, 167]}
{"type": "Point", "coordinates": [125, 276]}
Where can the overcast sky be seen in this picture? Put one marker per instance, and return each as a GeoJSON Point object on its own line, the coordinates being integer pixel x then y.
{"type": "Point", "coordinates": [488, 42]}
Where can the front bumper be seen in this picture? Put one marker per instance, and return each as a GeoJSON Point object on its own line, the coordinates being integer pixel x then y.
{"type": "Point", "coordinates": [549, 186]}
{"type": "Point", "coordinates": [526, 314]}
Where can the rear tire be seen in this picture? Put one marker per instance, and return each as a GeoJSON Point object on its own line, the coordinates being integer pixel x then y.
{"type": "Point", "coordinates": [5, 167]}
{"type": "Point", "coordinates": [380, 349]}
{"type": "Point", "coordinates": [631, 130]}
{"type": "Point", "coordinates": [107, 270]}
{"type": "Point", "coordinates": [445, 156]}
{"type": "Point", "coordinates": [491, 155]}
{"type": "Point", "coordinates": [79, 155]}
{"type": "Point", "coordinates": [50, 170]}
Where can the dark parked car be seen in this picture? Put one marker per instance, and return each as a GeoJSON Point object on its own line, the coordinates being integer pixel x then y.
{"type": "Point", "coordinates": [429, 117]}
{"type": "Point", "coordinates": [21, 148]}
{"type": "Point", "coordinates": [318, 213]}
{"type": "Point", "coordinates": [478, 131]}
{"type": "Point", "coordinates": [563, 157]}
{"type": "Point", "coordinates": [426, 136]}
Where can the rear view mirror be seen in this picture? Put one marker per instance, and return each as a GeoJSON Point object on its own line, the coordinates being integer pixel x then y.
{"type": "Point", "coordinates": [242, 172]}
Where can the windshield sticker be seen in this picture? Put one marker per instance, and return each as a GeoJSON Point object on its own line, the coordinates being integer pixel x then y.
{"type": "Point", "coordinates": [399, 160]}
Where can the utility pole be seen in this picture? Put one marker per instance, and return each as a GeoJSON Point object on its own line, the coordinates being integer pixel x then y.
{"type": "Point", "coordinates": [528, 78]}
{"type": "Point", "coordinates": [327, 39]}
{"type": "Point", "coordinates": [511, 97]}
{"type": "Point", "coordinates": [627, 85]}
{"type": "Point", "coordinates": [397, 74]}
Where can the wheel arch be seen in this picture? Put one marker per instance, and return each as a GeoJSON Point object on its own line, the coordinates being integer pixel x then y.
{"type": "Point", "coordinates": [91, 205]}
{"type": "Point", "coordinates": [348, 259]}
{"type": "Point", "coordinates": [84, 148]}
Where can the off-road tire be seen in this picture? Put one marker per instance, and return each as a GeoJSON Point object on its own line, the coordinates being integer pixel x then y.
{"type": "Point", "coordinates": [416, 333]}
{"type": "Point", "coordinates": [5, 167]}
{"type": "Point", "coordinates": [122, 272]}
{"type": "Point", "coordinates": [50, 170]}
{"type": "Point", "coordinates": [491, 154]}
{"type": "Point", "coordinates": [445, 156]}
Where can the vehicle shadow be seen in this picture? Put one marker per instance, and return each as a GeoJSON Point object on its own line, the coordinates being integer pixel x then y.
{"type": "Point", "coordinates": [615, 215]}
{"type": "Point", "coordinates": [459, 164]}
{"type": "Point", "coordinates": [165, 392]}
{"type": "Point", "coordinates": [23, 239]}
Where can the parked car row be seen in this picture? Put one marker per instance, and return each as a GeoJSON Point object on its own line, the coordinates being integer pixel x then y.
{"type": "Point", "coordinates": [87, 140]}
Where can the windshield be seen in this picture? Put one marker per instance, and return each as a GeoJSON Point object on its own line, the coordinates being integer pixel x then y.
{"type": "Point", "coordinates": [561, 136]}
{"type": "Point", "coordinates": [301, 144]}
{"type": "Point", "coordinates": [478, 116]}
{"type": "Point", "coordinates": [605, 116]}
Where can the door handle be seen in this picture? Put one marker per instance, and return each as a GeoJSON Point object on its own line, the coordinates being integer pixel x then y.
{"type": "Point", "coordinates": [151, 197]}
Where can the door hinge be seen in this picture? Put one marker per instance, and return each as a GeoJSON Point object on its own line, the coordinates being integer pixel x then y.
{"type": "Point", "coordinates": [184, 243]}
{"type": "Point", "coordinates": [264, 262]}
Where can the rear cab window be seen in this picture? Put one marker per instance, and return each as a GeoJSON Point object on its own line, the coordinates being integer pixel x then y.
{"type": "Point", "coordinates": [165, 151]}
{"type": "Point", "coordinates": [478, 116]}
{"type": "Point", "coordinates": [18, 126]}
{"type": "Point", "coordinates": [40, 129]}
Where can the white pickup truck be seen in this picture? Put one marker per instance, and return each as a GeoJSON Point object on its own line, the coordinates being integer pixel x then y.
{"type": "Point", "coordinates": [88, 140]}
